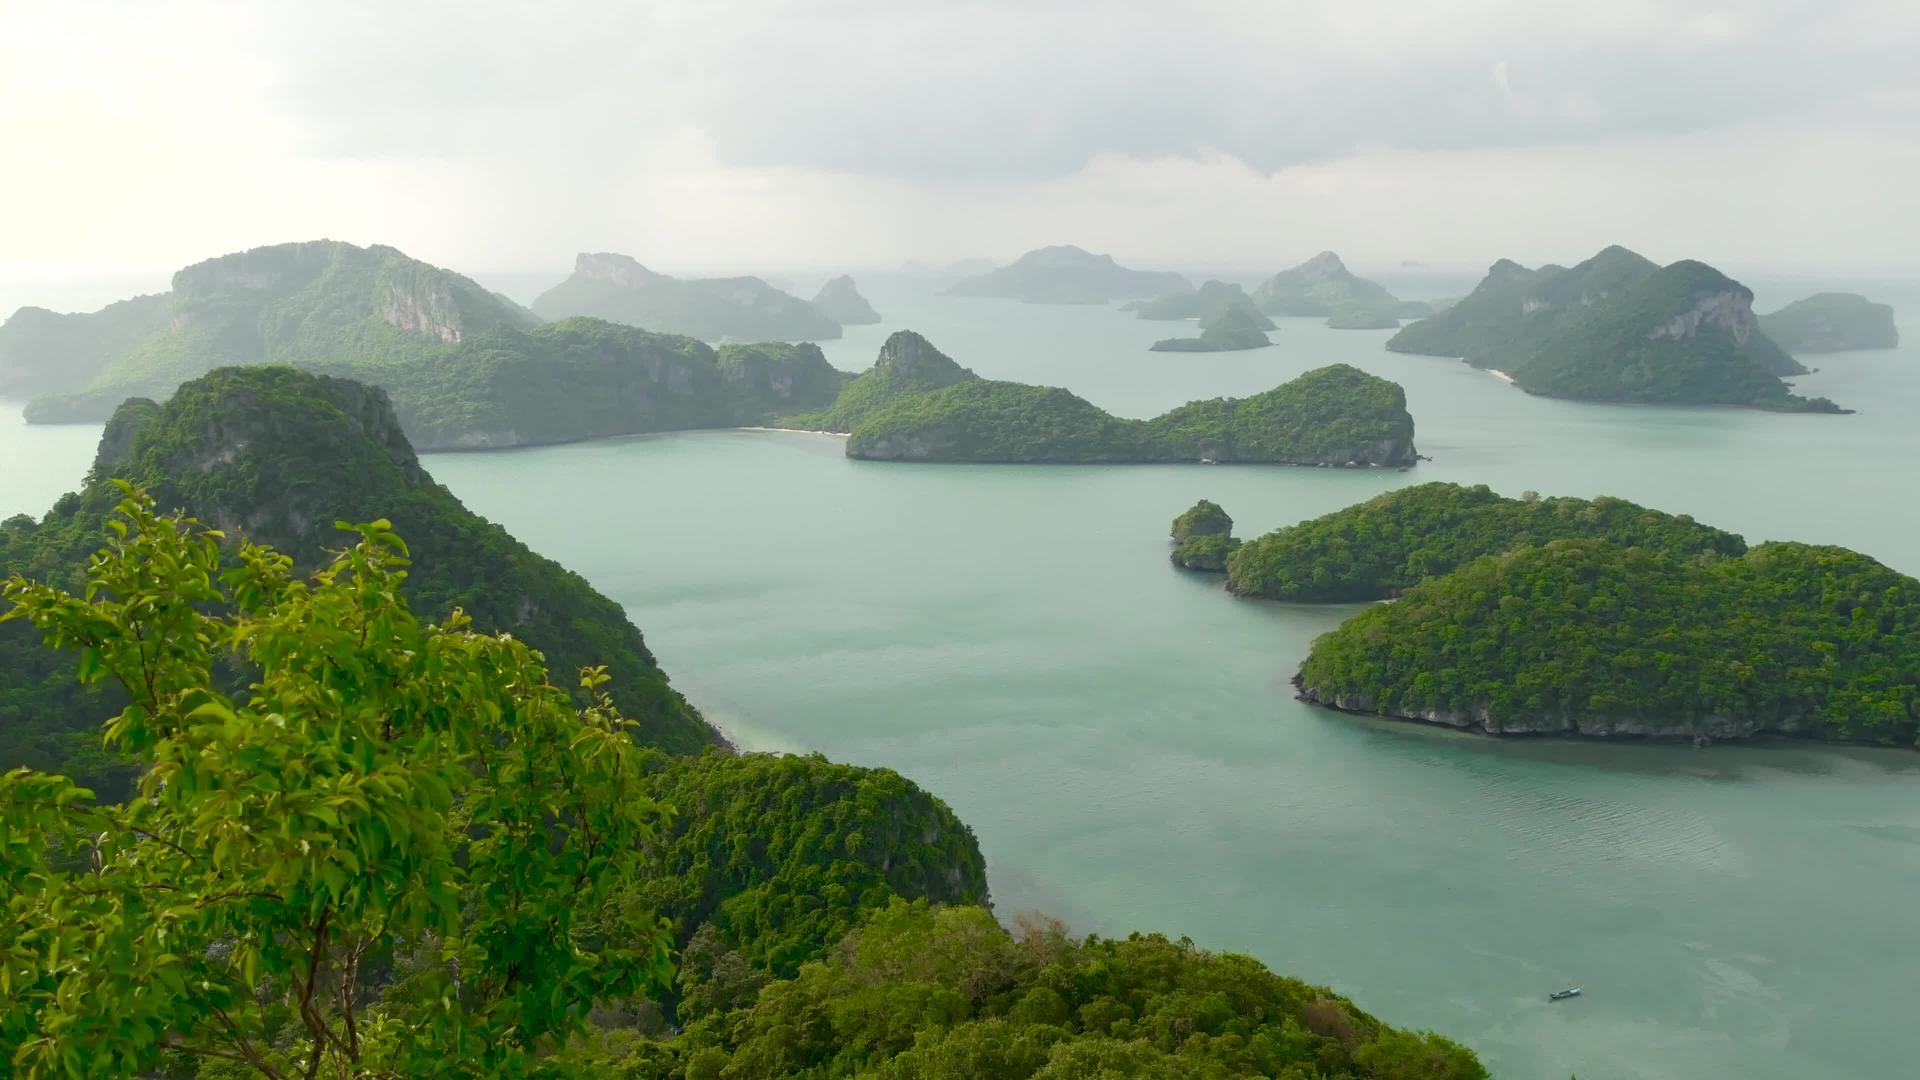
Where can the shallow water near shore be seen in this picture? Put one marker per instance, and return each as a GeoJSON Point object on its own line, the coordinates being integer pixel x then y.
{"type": "Point", "coordinates": [1124, 740]}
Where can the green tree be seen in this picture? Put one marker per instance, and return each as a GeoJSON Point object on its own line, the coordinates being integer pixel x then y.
{"type": "Point", "coordinates": [384, 796]}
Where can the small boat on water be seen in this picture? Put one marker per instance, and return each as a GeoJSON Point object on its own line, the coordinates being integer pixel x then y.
{"type": "Point", "coordinates": [1562, 995]}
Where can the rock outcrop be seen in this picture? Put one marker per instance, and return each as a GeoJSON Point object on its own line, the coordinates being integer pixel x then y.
{"type": "Point", "coordinates": [841, 301]}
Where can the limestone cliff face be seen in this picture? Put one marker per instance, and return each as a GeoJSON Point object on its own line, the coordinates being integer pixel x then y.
{"type": "Point", "coordinates": [423, 309]}
{"type": "Point", "coordinates": [1714, 728]}
{"type": "Point", "coordinates": [612, 267]}
{"type": "Point", "coordinates": [1727, 310]}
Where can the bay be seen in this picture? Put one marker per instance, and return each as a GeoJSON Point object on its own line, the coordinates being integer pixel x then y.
{"type": "Point", "coordinates": [1124, 741]}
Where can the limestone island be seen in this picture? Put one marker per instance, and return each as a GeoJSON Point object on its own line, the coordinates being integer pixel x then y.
{"type": "Point", "coordinates": [1195, 304]}
{"type": "Point", "coordinates": [618, 289]}
{"type": "Point", "coordinates": [1324, 287]}
{"type": "Point", "coordinates": [279, 455]}
{"type": "Point", "coordinates": [916, 404]}
{"type": "Point", "coordinates": [1380, 548]}
{"type": "Point", "coordinates": [840, 301]}
{"type": "Point", "coordinates": [1203, 538]}
{"type": "Point", "coordinates": [1065, 274]}
{"type": "Point", "coordinates": [1234, 326]}
{"type": "Point", "coordinates": [319, 303]}
{"type": "Point", "coordinates": [1832, 322]}
{"type": "Point", "coordinates": [1589, 638]}
{"type": "Point", "coordinates": [1617, 328]}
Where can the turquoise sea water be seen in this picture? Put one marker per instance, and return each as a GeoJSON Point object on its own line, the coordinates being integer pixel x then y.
{"type": "Point", "coordinates": [1124, 741]}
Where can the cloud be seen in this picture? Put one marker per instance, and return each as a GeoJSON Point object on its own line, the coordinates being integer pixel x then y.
{"type": "Point", "coordinates": [711, 135]}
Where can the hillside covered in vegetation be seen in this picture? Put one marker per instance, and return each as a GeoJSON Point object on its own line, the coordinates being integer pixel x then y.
{"type": "Point", "coordinates": [1324, 287]}
{"type": "Point", "coordinates": [618, 289]}
{"type": "Point", "coordinates": [1585, 637]}
{"type": "Point", "coordinates": [916, 404]}
{"type": "Point", "coordinates": [1832, 322]}
{"type": "Point", "coordinates": [585, 378]}
{"type": "Point", "coordinates": [301, 304]}
{"type": "Point", "coordinates": [1617, 327]}
{"type": "Point", "coordinates": [398, 848]}
{"type": "Point", "coordinates": [279, 456]}
{"type": "Point", "coordinates": [1380, 548]}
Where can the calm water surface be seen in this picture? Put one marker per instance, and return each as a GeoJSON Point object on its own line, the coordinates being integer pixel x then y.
{"type": "Point", "coordinates": [1124, 741]}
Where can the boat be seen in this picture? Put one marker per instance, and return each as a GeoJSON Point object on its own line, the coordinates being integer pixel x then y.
{"type": "Point", "coordinates": [1562, 995]}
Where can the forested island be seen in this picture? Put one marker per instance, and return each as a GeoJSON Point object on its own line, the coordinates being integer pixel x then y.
{"type": "Point", "coordinates": [840, 300]}
{"type": "Point", "coordinates": [1832, 322]}
{"type": "Point", "coordinates": [1620, 328]}
{"type": "Point", "coordinates": [366, 309]}
{"type": "Point", "coordinates": [349, 822]}
{"type": "Point", "coordinates": [1210, 297]}
{"type": "Point", "coordinates": [1203, 538]}
{"type": "Point", "coordinates": [917, 404]}
{"type": "Point", "coordinates": [1234, 326]}
{"type": "Point", "coordinates": [1589, 638]}
{"type": "Point", "coordinates": [1378, 549]}
{"type": "Point", "coordinates": [618, 289]}
{"type": "Point", "coordinates": [1065, 274]}
{"type": "Point", "coordinates": [1324, 287]}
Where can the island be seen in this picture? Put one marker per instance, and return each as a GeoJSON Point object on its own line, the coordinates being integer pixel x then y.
{"type": "Point", "coordinates": [1832, 322]}
{"type": "Point", "coordinates": [671, 914]}
{"type": "Point", "coordinates": [1617, 328]}
{"type": "Point", "coordinates": [1324, 287]}
{"type": "Point", "coordinates": [1195, 304]}
{"type": "Point", "coordinates": [1378, 549]}
{"type": "Point", "coordinates": [303, 304]}
{"type": "Point", "coordinates": [587, 378]}
{"type": "Point", "coordinates": [1203, 538]}
{"type": "Point", "coordinates": [1589, 638]}
{"type": "Point", "coordinates": [1065, 274]}
{"type": "Point", "coordinates": [618, 289]}
{"type": "Point", "coordinates": [48, 352]}
{"type": "Point", "coordinates": [840, 301]}
{"type": "Point", "coordinates": [281, 455]}
{"type": "Point", "coordinates": [917, 404]}
{"type": "Point", "coordinates": [1235, 325]}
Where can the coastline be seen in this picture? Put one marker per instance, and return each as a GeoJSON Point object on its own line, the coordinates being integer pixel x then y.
{"type": "Point", "coordinates": [1501, 375]}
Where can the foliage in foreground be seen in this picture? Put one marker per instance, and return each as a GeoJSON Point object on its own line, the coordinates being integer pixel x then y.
{"type": "Point", "coordinates": [1379, 548]}
{"type": "Point", "coordinates": [924, 993]}
{"type": "Point", "coordinates": [1582, 635]}
{"type": "Point", "coordinates": [386, 799]}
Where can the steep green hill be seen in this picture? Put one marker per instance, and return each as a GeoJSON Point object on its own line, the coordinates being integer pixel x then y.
{"type": "Point", "coordinates": [1685, 334]}
{"type": "Point", "coordinates": [939, 411]}
{"type": "Point", "coordinates": [777, 857]}
{"type": "Point", "coordinates": [1513, 307]}
{"type": "Point", "coordinates": [618, 289]}
{"type": "Point", "coordinates": [1323, 286]}
{"type": "Point", "coordinates": [1583, 637]}
{"type": "Point", "coordinates": [1209, 299]}
{"type": "Point", "coordinates": [1832, 322]}
{"type": "Point", "coordinates": [1234, 326]}
{"type": "Point", "coordinates": [908, 366]}
{"type": "Point", "coordinates": [1065, 274]}
{"type": "Point", "coordinates": [306, 303]}
{"type": "Point", "coordinates": [1382, 547]}
{"type": "Point", "coordinates": [45, 352]}
{"type": "Point", "coordinates": [586, 378]}
{"type": "Point", "coordinates": [1617, 328]}
{"type": "Point", "coordinates": [281, 455]}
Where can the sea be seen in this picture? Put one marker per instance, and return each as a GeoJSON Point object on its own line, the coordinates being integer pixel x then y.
{"type": "Point", "coordinates": [1123, 739]}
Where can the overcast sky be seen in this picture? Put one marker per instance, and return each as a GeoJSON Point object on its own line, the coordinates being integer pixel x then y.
{"type": "Point", "coordinates": [717, 135]}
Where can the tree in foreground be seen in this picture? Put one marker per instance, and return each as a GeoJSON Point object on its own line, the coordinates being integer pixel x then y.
{"type": "Point", "coordinates": [387, 810]}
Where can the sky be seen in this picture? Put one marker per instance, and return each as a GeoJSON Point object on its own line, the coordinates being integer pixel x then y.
{"type": "Point", "coordinates": [712, 136]}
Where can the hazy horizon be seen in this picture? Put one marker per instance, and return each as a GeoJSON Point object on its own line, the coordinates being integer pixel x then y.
{"type": "Point", "coordinates": [776, 138]}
